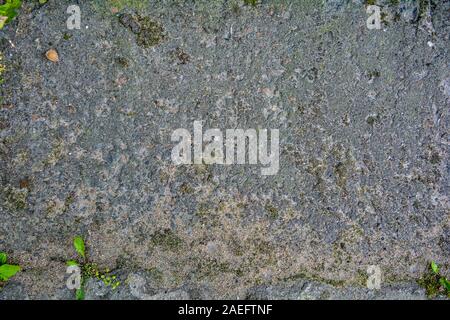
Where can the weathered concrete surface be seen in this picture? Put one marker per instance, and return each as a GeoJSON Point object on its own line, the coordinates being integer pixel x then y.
{"type": "Point", "coordinates": [364, 138]}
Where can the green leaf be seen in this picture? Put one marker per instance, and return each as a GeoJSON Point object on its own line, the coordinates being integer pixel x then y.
{"type": "Point", "coordinates": [445, 283]}
{"type": "Point", "coordinates": [79, 294]}
{"type": "Point", "coordinates": [434, 267]}
{"type": "Point", "coordinates": [72, 263]}
{"type": "Point", "coordinates": [3, 258]}
{"type": "Point", "coordinates": [8, 11]}
{"type": "Point", "coordinates": [7, 271]}
{"type": "Point", "coordinates": [78, 243]}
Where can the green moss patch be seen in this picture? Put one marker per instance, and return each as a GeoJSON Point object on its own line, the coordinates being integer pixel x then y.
{"type": "Point", "coordinates": [166, 239]}
{"type": "Point", "coordinates": [434, 283]}
{"type": "Point", "coordinates": [148, 31]}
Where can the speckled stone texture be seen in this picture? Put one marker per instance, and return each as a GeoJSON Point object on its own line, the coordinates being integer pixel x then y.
{"type": "Point", "coordinates": [364, 173]}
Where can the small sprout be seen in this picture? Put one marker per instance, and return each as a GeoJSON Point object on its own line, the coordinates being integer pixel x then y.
{"type": "Point", "coordinates": [72, 263]}
{"type": "Point", "coordinates": [7, 270]}
{"type": "Point", "coordinates": [89, 270]}
{"type": "Point", "coordinates": [115, 285]}
{"type": "Point", "coordinates": [3, 258]}
{"type": "Point", "coordinates": [445, 283]}
{"type": "Point", "coordinates": [434, 267]}
{"type": "Point", "coordinates": [67, 36]}
{"type": "Point", "coordinates": [78, 243]}
{"type": "Point", "coordinates": [434, 283]}
{"type": "Point", "coordinates": [8, 10]}
{"type": "Point", "coordinates": [80, 294]}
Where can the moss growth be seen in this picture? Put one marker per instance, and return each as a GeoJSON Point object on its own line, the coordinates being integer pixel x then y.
{"type": "Point", "coordinates": [252, 3]}
{"type": "Point", "coordinates": [430, 282]}
{"type": "Point", "coordinates": [122, 4]}
{"type": "Point", "coordinates": [202, 211]}
{"type": "Point", "coordinates": [51, 207]}
{"type": "Point", "coordinates": [236, 248]}
{"type": "Point", "coordinates": [371, 119]}
{"type": "Point", "coordinates": [156, 274]}
{"type": "Point", "coordinates": [235, 8]}
{"type": "Point", "coordinates": [123, 62]}
{"type": "Point", "coordinates": [361, 278]}
{"type": "Point", "coordinates": [56, 153]}
{"type": "Point", "coordinates": [67, 36]}
{"type": "Point", "coordinates": [435, 158]}
{"type": "Point", "coordinates": [341, 174]}
{"type": "Point", "coordinates": [272, 211]}
{"type": "Point", "coordinates": [15, 199]}
{"type": "Point", "coordinates": [374, 74]}
{"type": "Point", "coordinates": [186, 189]}
{"type": "Point", "coordinates": [69, 200]}
{"type": "Point", "coordinates": [344, 165]}
{"type": "Point", "coordinates": [166, 239]}
{"type": "Point", "coordinates": [182, 56]}
{"type": "Point", "coordinates": [148, 31]}
{"type": "Point", "coordinates": [91, 270]}
{"type": "Point", "coordinates": [423, 7]}
{"type": "Point", "coordinates": [433, 283]}
{"type": "Point", "coordinates": [211, 268]}
{"type": "Point", "coordinates": [152, 33]}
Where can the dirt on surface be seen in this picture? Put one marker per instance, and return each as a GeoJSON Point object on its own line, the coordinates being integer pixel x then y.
{"type": "Point", "coordinates": [363, 116]}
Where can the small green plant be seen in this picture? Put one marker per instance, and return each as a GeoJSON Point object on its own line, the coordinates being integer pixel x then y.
{"type": "Point", "coordinates": [252, 3]}
{"type": "Point", "coordinates": [78, 243]}
{"type": "Point", "coordinates": [6, 270]}
{"type": "Point", "coordinates": [434, 283]}
{"type": "Point", "coordinates": [8, 11]}
{"type": "Point", "coordinates": [90, 270]}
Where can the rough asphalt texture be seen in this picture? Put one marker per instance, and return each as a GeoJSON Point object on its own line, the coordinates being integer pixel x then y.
{"type": "Point", "coordinates": [364, 125]}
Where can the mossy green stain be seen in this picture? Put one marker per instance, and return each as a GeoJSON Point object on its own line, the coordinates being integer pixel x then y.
{"type": "Point", "coordinates": [166, 239]}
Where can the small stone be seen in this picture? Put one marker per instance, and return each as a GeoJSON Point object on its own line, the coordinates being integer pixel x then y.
{"type": "Point", "coordinates": [52, 55]}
